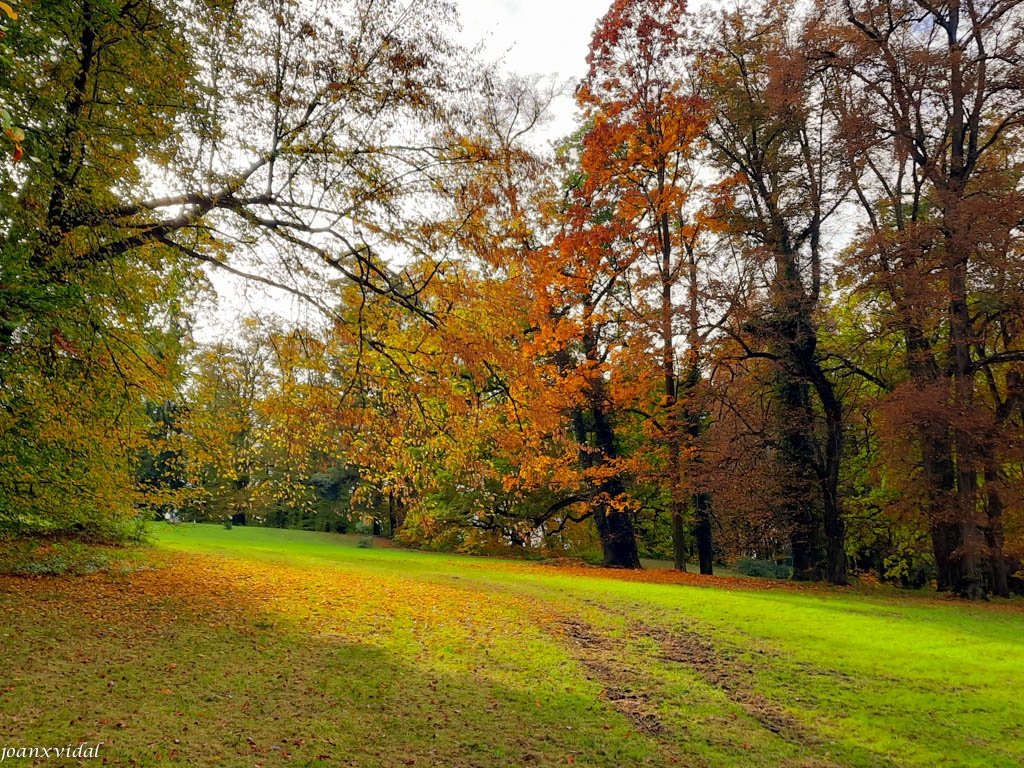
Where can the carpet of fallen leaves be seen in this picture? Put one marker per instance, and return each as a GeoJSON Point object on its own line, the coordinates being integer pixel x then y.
{"type": "Point", "coordinates": [216, 661]}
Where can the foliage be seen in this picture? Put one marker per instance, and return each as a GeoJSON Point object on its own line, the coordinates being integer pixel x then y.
{"type": "Point", "coordinates": [763, 304]}
{"type": "Point", "coordinates": [26, 557]}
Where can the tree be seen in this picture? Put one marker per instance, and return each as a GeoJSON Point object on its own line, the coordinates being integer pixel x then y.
{"type": "Point", "coordinates": [932, 118]}
{"type": "Point", "coordinates": [769, 132]}
{"type": "Point", "coordinates": [160, 134]}
{"type": "Point", "coordinates": [638, 154]}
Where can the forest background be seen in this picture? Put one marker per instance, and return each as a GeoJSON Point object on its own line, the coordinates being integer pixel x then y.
{"type": "Point", "coordinates": [765, 303]}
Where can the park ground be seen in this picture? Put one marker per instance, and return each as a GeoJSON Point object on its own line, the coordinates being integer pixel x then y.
{"type": "Point", "coordinates": [261, 647]}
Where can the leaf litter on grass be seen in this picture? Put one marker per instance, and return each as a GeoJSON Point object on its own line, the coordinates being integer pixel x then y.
{"type": "Point", "coordinates": [239, 660]}
{"type": "Point", "coordinates": [437, 659]}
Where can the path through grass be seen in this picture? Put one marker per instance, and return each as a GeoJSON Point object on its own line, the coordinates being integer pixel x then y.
{"type": "Point", "coordinates": [251, 647]}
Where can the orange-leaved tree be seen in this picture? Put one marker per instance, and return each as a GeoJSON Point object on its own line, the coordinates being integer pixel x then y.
{"type": "Point", "coordinates": [639, 156]}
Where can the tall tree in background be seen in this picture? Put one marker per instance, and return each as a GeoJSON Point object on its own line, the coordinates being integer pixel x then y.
{"type": "Point", "coordinates": [639, 154]}
{"type": "Point", "coordinates": [770, 135]}
{"type": "Point", "coordinates": [933, 122]}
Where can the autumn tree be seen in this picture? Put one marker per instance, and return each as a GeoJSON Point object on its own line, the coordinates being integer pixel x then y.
{"type": "Point", "coordinates": [771, 141]}
{"type": "Point", "coordinates": [932, 119]}
{"type": "Point", "coordinates": [638, 154]}
{"type": "Point", "coordinates": [222, 422]}
{"type": "Point", "coordinates": [275, 139]}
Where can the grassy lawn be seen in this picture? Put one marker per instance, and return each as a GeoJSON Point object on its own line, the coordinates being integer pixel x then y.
{"type": "Point", "coordinates": [258, 647]}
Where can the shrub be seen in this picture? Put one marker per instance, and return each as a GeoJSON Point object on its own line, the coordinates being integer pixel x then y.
{"type": "Point", "coordinates": [68, 558]}
{"type": "Point", "coordinates": [763, 569]}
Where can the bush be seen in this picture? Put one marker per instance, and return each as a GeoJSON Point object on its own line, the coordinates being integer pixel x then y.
{"type": "Point", "coordinates": [69, 558]}
{"type": "Point", "coordinates": [365, 542]}
{"type": "Point", "coordinates": [763, 569]}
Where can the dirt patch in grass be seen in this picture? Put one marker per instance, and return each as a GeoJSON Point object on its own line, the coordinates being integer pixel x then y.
{"type": "Point", "coordinates": [604, 659]}
{"type": "Point", "coordinates": [697, 653]}
{"type": "Point", "coordinates": [618, 662]}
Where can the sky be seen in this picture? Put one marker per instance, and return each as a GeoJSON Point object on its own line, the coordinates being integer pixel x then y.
{"type": "Point", "coordinates": [530, 37]}
{"type": "Point", "coordinates": [541, 36]}
{"type": "Point", "coordinates": [536, 37]}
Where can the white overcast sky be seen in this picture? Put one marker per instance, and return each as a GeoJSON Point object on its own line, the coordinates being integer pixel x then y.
{"type": "Point", "coordinates": [534, 35]}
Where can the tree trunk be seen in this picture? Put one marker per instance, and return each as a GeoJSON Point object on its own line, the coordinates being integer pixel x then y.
{"type": "Point", "coordinates": [999, 572]}
{"type": "Point", "coordinates": [702, 533]}
{"type": "Point", "coordinates": [673, 436]}
{"type": "Point", "coordinates": [396, 514]}
{"type": "Point", "coordinates": [796, 466]}
{"type": "Point", "coordinates": [679, 553]}
{"type": "Point", "coordinates": [968, 563]}
{"type": "Point", "coordinates": [614, 526]}
{"type": "Point", "coordinates": [832, 510]}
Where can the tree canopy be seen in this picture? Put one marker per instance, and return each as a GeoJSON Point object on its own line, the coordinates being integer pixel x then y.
{"type": "Point", "coordinates": [765, 303]}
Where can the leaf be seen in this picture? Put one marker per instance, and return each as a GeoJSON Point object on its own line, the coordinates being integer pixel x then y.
{"type": "Point", "coordinates": [8, 10]}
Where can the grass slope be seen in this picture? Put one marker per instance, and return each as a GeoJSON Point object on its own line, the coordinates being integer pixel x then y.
{"type": "Point", "coordinates": [259, 647]}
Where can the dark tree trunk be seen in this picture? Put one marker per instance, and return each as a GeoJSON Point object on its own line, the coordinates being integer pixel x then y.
{"type": "Point", "coordinates": [796, 466]}
{"type": "Point", "coordinates": [999, 572]}
{"type": "Point", "coordinates": [811, 474]}
{"type": "Point", "coordinates": [999, 565]}
{"type": "Point", "coordinates": [945, 542]}
{"type": "Point", "coordinates": [679, 553]}
{"type": "Point", "coordinates": [702, 533]}
{"type": "Point", "coordinates": [968, 563]}
{"type": "Point", "coordinates": [614, 526]}
{"type": "Point", "coordinates": [936, 458]}
{"type": "Point", "coordinates": [396, 514]}
{"type": "Point", "coordinates": [832, 510]}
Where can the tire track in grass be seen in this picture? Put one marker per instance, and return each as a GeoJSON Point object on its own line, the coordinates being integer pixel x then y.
{"type": "Point", "coordinates": [622, 663]}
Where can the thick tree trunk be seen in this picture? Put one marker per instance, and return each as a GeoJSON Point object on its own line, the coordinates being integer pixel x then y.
{"type": "Point", "coordinates": [796, 466]}
{"type": "Point", "coordinates": [999, 572]}
{"type": "Point", "coordinates": [936, 459]}
{"type": "Point", "coordinates": [614, 526]}
{"type": "Point", "coordinates": [810, 483]}
{"type": "Point", "coordinates": [999, 564]}
{"type": "Point", "coordinates": [970, 558]}
{"type": "Point", "coordinates": [832, 510]}
{"type": "Point", "coordinates": [679, 549]}
{"type": "Point", "coordinates": [945, 542]}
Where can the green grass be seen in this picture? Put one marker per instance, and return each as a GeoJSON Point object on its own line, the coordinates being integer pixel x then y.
{"type": "Point", "coordinates": [250, 647]}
